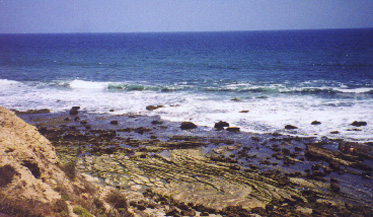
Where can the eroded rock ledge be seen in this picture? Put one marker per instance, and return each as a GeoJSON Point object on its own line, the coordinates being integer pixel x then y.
{"type": "Point", "coordinates": [160, 166]}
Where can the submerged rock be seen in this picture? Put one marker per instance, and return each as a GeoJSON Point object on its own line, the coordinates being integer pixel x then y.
{"type": "Point", "coordinates": [188, 126]}
{"type": "Point", "coordinates": [153, 107]}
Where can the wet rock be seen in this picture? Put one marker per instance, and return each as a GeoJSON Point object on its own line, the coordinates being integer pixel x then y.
{"type": "Point", "coordinates": [115, 122]}
{"type": "Point", "coordinates": [188, 126]}
{"type": "Point", "coordinates": [157, 122]}
{"type": "Point", "coordinates": [221, 124]}
{"type": "Point", "coordinates": [335, 187]}
{"type": "Point", "coordinates": [318, 173]}
{"type": "Point", "coordinates": [290, 127]}
{"type": "Point", "coordinates": [359, 123]}
{"type": "Point", "coordinates": [285, 151]}
{"type": "Point", "coordinates": [189, 212]}
{"type": "Point", "coordinates": [366, 175]}
{"type": "Point", "coordinates": [173, 212]}
{"type": "Point", "coordinates": [153, 107]}
{"type": "Point", "coordinates": [316, 123]}
{"type": "Point", "coordinates": [36, 111]}
{"type": "Point", "coordinates": [334, 165]}
{"type": "Point", "coordinates": [233, 129]}
{"type": "Point", "coordinates": [74, 110]}
{"type": "Point", "coordinates": [253, 166]}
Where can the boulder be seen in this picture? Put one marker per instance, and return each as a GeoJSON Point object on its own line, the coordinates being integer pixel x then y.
{"type": "Point", "coordinates": [316, 123]}
{"type": "Point", "coordinates": [233, 129]}
{"type": "Point", "coordinates": [153, 107]}
{"type": "Point", "coordinates": [359, 123]}
{"type": "Point", "coordinates": [115, 122]}
{"type": "Point", "coordinates": [188, 126]}
{"type": "Point", "coordinates": [290, 127]}
{"type": "Point", "coordinates": [74, 110]}
{"type": "Point", "coordinates": [221, 124]}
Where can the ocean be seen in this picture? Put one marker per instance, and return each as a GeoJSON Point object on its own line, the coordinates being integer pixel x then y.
{"type": "Point", "coordinates": [259, 81]}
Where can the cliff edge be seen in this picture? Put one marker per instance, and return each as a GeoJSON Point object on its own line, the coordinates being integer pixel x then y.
{"type": "Point", "coordinates": [34, 183]}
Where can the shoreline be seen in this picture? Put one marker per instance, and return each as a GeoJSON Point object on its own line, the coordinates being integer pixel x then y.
{"type": "Point", "coordinates": [149, 156]}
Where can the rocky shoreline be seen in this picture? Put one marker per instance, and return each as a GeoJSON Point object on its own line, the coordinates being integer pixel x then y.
{"type": "Point", "coordinates": [179, 169]}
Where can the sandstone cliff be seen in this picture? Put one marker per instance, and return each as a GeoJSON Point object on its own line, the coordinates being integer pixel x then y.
{"type": "Point", "coordinates": [33, 183]}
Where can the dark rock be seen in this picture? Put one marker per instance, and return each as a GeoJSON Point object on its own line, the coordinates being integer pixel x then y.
{"type": "Point", "coordinates": [187, 126]}
{"type": "Point", "coordinates": [76, 119]}
{"type": "Point", "coordinates": [334, 132]}
{"type": "Point", "coordinates": [316, 123]}
{"type": "Point", "coordinates": [366, 175]}
{"type": "Point", "coordinates": [332, 179]}
{"type": "Point", "coordinates": [74, 110]}
{"type": "Point", "coordinates": [244, 111]}
{"type": "Point", "coordinates": [334, 165]}
{"type": "Point", "coordinates": [233, 129]}
{"type": "Point", "coordinates": [172, 212]}
{"type": "Point", "coordinates": [114, 122]}
{"type": "Point", "coordinates": [335, 187]}
{"type": "Point", "coordinates": [111, 110]}
{"type": "Point", "coordinates": [84, 122]}
{"type": "Point", "coordinates": [36, 111]}
{"type": "Point", "coordinates": [253, 166]}
{"type": "Point", "coordinates": [157, 122]}
{"type": "Point", "coordinates": [286, 151]}
{"type": "Point", "coordinates": [359, 123]}
{"type": "Point", "coordinates": [290, 127]}
{"type": "Point", "coordinates": [153, 107]}
{"type": "Point", "coordinates": [221, 124]}
{"type": "Point", "coordinates": [265, 162]}
{"type": "Point", "coordinates": [189, 212]}
{"type": "Point", "coordinates": [318, 173]}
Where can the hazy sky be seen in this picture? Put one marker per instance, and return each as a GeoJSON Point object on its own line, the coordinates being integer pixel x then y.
{"type": "Point", "coordinates": [50, 16]}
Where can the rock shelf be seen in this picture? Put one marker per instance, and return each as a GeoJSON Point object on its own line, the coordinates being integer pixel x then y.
{"type": "Point", "coordinates": [213, 172]}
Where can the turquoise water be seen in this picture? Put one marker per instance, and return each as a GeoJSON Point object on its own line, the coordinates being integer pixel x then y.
{"type": "Point", "coordinates": [281, 77]}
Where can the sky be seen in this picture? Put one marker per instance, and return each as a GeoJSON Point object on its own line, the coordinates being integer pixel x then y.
{"type": "Point", "coordinates": [72, 16]}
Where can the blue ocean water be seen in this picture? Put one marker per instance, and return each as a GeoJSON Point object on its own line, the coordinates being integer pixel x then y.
{"type": "Point", "coordinates": [279, 77]}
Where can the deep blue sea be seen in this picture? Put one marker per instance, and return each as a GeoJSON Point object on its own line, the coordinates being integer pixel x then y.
{"type": "Point", "coordinates": [276, 77]}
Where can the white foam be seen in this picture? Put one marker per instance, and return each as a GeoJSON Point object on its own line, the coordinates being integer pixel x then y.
{"type": "Point", "coordinates": [8, 82]}
{"type": "Point", "coordinates": [80, 84]}
{"type": "Point", "coordinates": [356, 90]}
{"type": "Point", "coordinates": [265, 115]}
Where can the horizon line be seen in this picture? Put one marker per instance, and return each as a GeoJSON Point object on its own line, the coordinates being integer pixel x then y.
{"type": "Point", "coordinates": [192, 31]}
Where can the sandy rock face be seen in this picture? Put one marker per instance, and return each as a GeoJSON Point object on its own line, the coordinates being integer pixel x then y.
{"type": "Point", "coordinates": [32, 182]}
{"type": "Point", "coordinates": [32, 158]}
